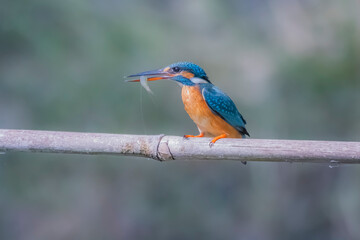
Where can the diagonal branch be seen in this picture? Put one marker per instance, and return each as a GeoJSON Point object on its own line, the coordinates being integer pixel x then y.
{"type": "Point", "coordinates": [165, 148]}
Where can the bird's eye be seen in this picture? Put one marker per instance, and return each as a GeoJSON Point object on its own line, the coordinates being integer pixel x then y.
{"type": "Point", "coordinates": [176, 69]}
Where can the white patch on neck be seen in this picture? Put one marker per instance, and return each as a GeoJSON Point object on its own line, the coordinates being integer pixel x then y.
{"type": "Point", "coordinates": [198, 80]}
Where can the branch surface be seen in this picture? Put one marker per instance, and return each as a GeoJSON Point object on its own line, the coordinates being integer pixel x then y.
{"type": "Point", "coordinates": [164, 148]}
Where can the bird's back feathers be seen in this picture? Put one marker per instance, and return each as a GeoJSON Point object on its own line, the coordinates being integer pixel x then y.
{"type": "Point", "coordinates": [222, 105]}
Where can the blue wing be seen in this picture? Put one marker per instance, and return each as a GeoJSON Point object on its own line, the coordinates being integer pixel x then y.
{"type": "Point", "coordinates": [222, 105]}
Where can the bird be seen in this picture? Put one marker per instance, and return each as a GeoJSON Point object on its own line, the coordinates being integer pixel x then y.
{"type": "Point", "coordinates": [212, 110]}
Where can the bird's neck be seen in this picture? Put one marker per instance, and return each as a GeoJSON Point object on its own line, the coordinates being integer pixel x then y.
{"type": "Point", "coordinates": [183, 80]}
{"type": "Point", "coordinates": [194, 81]}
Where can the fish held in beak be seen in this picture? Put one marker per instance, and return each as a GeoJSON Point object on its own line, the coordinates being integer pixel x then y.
{"type": "Point", "coordinates": [153, 75]}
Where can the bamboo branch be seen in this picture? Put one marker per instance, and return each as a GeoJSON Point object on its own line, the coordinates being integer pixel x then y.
{"type": "Point", "coordinates": [164, 148]}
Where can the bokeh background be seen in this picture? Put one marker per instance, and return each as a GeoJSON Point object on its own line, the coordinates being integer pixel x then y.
{"type": "Point", "coordinates": [291, 66]}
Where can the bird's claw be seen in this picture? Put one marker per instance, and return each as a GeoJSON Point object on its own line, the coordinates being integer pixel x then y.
{"type": "Point", "coordinates": [211, 144]}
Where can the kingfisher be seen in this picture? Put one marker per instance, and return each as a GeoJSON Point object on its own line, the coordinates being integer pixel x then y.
{"type": "Point", "coordinates": [213, 111]}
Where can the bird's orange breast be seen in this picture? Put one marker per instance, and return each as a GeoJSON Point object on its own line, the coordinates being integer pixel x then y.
{"type": "Point", "coordinates": [208, 122]}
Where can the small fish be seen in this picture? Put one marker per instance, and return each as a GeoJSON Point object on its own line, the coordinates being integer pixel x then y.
{"type": "Point", "coordinates": [144, 83]}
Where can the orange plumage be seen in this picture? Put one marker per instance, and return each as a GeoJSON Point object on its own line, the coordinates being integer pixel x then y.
{"type": "Point", "coordinates": [209, 124]}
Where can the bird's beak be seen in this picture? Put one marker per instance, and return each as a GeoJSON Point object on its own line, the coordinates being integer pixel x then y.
{"type": "Point", "coordinates": [152, 75]}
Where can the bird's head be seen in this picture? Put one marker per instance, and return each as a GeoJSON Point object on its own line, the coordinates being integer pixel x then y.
{"type": "Point", "coordinates": [186, 73]}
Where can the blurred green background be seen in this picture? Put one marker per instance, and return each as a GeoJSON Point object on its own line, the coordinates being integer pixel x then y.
{"type": "Point", "coordinates": [292, 68]}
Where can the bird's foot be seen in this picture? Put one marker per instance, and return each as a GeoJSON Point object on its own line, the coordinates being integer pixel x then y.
{"type": "Point", "coordinates": [192, 136]}
{"type": "Point", "coordinates": [217, 138]}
